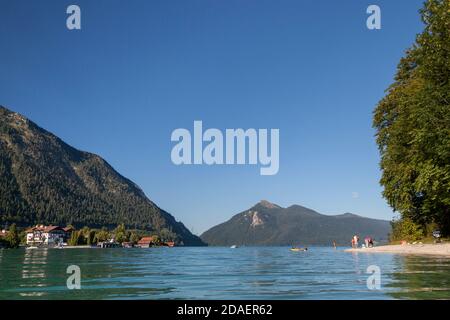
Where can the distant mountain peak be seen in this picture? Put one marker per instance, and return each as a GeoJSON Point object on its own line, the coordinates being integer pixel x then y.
{"type": "Point", "coordinates": [348, 215]}
{"type": "Point", "coordinates": [269, 224]}
{"type": "Point", "coordinates": [267, 204]}
{"type": "Point", "coordinates": [297, 206]}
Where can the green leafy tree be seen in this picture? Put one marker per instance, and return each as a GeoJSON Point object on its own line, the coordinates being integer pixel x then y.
{"type": "Point", "coordinates": [101, 235]}
{"type": "Point", "coordinates": [13, 238]}
{"type": "Point", "coordinates": [90, 237]}
{"type": "Point", "coordinates": [120, 233]}
{"type": "Point", "coordinates": [406, 229]}
{"type": "Point", "coordinates": [23, 237]}
{"type": "Point", "coordinates": [134, 237]}
{"type": "Point", "coordinates": [76, 238]}
{"type": "Point", "coordinates": [120, 237]}
{"type": "Point", "coordinates": [413, 125]}
{"type": "Point", "coordinates": [156, 240]}
{"type": "Point", "coordinates": [87, 235]}
{"type": "Point", "coordinates": [167, 235]}
{"type": "Point", "coordinates": [85, 231]}
{"type": "Point", "coordinates": [120, 228]}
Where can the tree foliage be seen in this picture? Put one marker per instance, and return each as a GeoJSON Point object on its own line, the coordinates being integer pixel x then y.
{"type": "Point", "coordinates": [134, 237]}
{"type": "Point", "coordinates": [12, 238]}
{"type": "Point", "coordinates": [413, 125]}
{"type": "Point", "coordinates": [121, 233]}
{"type": "Point", "coordinates": [101, 235]}
{"type": "Point", "coordinates": [405, 229]}
{"type": "Point", "coordinates": [76, 238]}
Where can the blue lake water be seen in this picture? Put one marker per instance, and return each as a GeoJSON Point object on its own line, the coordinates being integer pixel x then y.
{"type": "Point", "coordinates": [219, 273]}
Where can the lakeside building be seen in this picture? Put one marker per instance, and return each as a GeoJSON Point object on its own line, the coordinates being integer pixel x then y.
{"type": "Point", "coordinates": [127, 244]}
{"type": "Point", "coordinates": [147, 242]}
{"type": "Point", "coordinates": [68, 231]}
{"type": "Point", "coordinates": [109, 244]}
{"type": "Point", "coordinates": [47, 235]}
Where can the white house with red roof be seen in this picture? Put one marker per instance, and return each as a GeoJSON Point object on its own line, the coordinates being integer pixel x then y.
{"type": "Point", "coordinates": [46, 235]}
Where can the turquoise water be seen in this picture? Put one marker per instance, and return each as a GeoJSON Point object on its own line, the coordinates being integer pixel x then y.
{"type": "Point", "coordinates": [219, 273]}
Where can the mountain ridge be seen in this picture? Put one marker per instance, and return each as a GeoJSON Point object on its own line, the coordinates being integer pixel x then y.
{"type": "Point", "coordinates": [45, 180]}
{"type": "Point", "coordinates": [275, 225]}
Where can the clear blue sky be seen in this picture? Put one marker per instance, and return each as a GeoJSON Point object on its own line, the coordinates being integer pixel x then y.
{"type": "Point", "coordinates": [140, 69]}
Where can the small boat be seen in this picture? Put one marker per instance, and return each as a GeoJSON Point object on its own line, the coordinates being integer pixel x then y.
{"type": "Point", "coordinates": [233, 246]}
{"type": "Point", "coordinates": [31, 247]}
{"type": "Point", "coordinates": [299, 249]}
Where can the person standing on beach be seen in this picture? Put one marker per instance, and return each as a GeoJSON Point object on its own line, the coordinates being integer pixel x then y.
{"type": "Point", "coordinates": [334, 244]}
{"type": "Point", "coordinates": [367, 240]}
{"type": "Point", "coordinates": [355, 241]}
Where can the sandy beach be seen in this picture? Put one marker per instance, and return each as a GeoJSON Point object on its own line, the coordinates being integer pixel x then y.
{"type": "Point", "coordinates": [440, 249]}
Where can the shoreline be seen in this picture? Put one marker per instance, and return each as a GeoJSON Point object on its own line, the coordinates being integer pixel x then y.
{"type": "Point", "coordinates": [438, 249]}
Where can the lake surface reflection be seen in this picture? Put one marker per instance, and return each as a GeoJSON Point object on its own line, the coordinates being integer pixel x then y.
{"type": "Point", "coordinates": [219, 273]}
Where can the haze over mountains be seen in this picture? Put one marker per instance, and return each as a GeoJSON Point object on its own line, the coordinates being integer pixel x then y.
{"type": "Point", "coordinates": [269, 224]}
{"type": "Point", "coordinates": [44, 180]}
